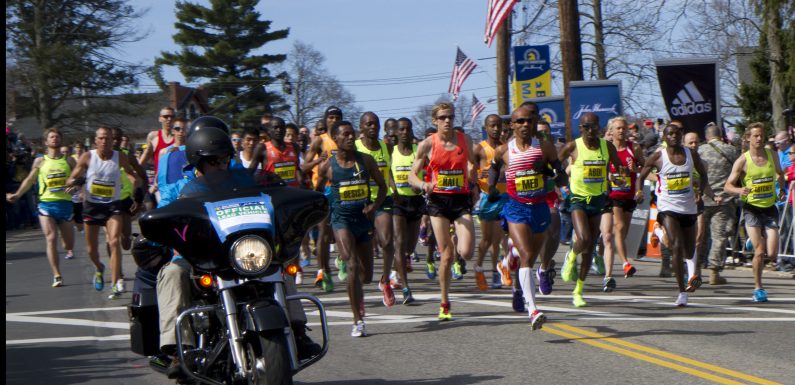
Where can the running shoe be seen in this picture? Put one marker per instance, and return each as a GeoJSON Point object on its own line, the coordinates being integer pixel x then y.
{"type": "Point", "coordinates": [57, 281]}
{"type": "Point", "coordinates": [342, 274]}
{"type": "Point", "coordinates": [760, 295]}
{"type": "Point", "coordinates": [319, 278]}
{"type": "Point", "coordinates": [114, 293]}
{"type": "Point", "coordinates": [480, 280]}
{"type": "Point", "coordinates": [120, 285]}
{"type": "Point", "coordinates": [407, 297]}
{"type": "Point", "coordinates": [537, 320]}
{"type": "Point", "coordinates": [569, 272]}
{"type": "Point", "coordinates": [608, 284]}
{"type": "Point", "coordinates": [681, 300]}
{"type": "Point", "coordinates": [299, 276]}
{"type": "Point", "coordinates": [394, 281]}
{"type": "Point", "coordinates": [430, 270]}
{"type": "Point", "coordinates": [577, 301]}
{"type": "Point", "coordinates": [358, 330]}
{"type": "Point", "coordinates": [328, 283]}
{"type": "Point", "coordinates": [517, 302]}
{"type": "Point", "coordinates": [415, 257]}
{"type": "Point", "coordinates": [496, 281]}
{"type": "Point", "coordinates": [505, 274]}
{"type": "Point", "coordinates": [598, 263]}
{"type": "Point", "coordinates": [456, 269]}
{"type": "Point", "coordinates": [389, 295]}
{"type": "Point", "coordinates": [69, 255]}
{"type": "Point", "coordinates": [423, 238]}
{"type": "Point", "coordinates": [306, 260]}
{"type": "Point", "coordinates": [693, 283]}
{"type": "Point", "coordinates": [99, 281]}
{"type": "Point", "coordinates": [444, 312]}
{"type": "Point", "coordinates": [629, 270]}
{"type": "Point", "coordinates": [544, 282]}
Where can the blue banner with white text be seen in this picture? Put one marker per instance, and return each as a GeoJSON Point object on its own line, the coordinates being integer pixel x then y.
{"type": "Point", "coordinates": [552, 110]}
{"type": "Point", "coordinates": [602, 97]}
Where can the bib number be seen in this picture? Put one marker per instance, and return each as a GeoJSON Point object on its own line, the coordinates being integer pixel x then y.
{"type": "Point", "coordinates": [103, 190]}
{"type": "Point", "coordinates": [402, 176]}
{"type": "Point", "coordinates": [450, 180]}
{"type": "Point", "coordinates": [594, 171]}
{"type": "Point", "coordinates": [627, 183]}
{"type": "Point", "coordinates": [678, 183]}
{"type": "Point", "coordinates": [56, 182]}
{"type": "Point", "coordinates": [285, 171]}
{"type": "Point", "coordinates": [353, 192]}
{"type": "Point", "coordinates": [529, 182]}
{"type": "Point", "coordinates": [762, 188]}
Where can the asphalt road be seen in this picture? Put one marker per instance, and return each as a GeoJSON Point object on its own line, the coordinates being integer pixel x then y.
{"type": "Point", "coordinates": [75, 335]}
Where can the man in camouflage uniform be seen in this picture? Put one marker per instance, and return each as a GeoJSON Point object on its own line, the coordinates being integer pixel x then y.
{"type": "Point", "coordinates": [721, 213]}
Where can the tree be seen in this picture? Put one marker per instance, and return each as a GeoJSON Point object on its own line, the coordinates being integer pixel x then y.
{"type": "Point", "coordinates": [62, 50]}
{"type": "Point", "coordinates": [311, 88]}
{"type": "Point", "coordinates": [218, 45]}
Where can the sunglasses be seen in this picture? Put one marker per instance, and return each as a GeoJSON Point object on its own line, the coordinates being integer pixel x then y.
{"type": "Point", "coordinates": [217, 161]}
{"type": "Point", "coordinates": [167, 116]}
{"type": "Point", "coordinates": [445, 117]}
{"type": "Point", "coordinates": [521, 120]}
{"type": "Point", "coordinates": [589, 126]}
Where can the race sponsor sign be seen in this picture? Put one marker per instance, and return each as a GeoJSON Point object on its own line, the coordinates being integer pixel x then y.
{"type": "Point", "coordinates": [602, 97]}
{"type": "Point", "coordinates": [232, 215]}
{"type": "Point", "coordinates": [551, 109]}
{"type": "Point", "coordinates": [690, 91]}
{"type": "Point", "coordinates": [532, 77]}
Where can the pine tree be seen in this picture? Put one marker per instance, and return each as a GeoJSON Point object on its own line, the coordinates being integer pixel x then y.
{"type": "Point", "coordinates": [217, 47]}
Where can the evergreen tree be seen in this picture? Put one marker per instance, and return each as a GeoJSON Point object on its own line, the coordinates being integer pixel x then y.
{"type": "Point", "coordinates": [217, 47]}
{"type": "Point", "coordinates": [61, 50]}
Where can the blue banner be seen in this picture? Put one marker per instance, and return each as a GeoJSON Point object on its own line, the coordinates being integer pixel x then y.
{"type": "Point", "coordinates": [237, 214]}
{"type": "Point", "coordinates": [551, 109]}
{"type": "Point", "coordinates": [602, 97]}
{"type": "Point", "coordinates": [530, 61]}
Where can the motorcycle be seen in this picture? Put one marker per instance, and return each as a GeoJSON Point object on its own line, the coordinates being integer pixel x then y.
{"type": "Point", "coordinates": [240, 248]}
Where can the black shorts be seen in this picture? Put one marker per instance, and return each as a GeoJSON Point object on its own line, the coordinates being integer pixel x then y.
{"type": "Point", "coordinates": [450, 206]}
{"type": "Point", "coordinates": [685, 220]}
{"type": "Point", "coordinates": [592, 206]}
{"type": "Point", "coordinates": [125, 206]}
{"type": "Point", "coordinates": [97, 214]}
{"type": "Point", "coordinates": [411, 207]}
{"type": "Point", "coordinates": [77, 208]}
{"type": "Point", "coordinates": [765, 217]}
{"type": "Point", "coordinates": [628, 205]}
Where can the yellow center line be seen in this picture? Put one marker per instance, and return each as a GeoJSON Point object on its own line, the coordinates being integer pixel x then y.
{"type": "Point", "coordinates": [670, 356]}
{"type": "Point", "coordinates": [642, 357]}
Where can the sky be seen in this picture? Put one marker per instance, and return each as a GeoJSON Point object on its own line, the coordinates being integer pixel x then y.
{"type": "Point", "coordinates": [362, 40]}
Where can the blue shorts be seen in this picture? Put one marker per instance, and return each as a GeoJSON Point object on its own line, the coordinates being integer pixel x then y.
{"type": "Point", "coordinates": [536, 215]}
{"type": "Point", "coordinates": [488, 211]}
{"type": "Point", "coordinates": [61, 211]}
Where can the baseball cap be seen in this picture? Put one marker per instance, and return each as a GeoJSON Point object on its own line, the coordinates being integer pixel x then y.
{"type": "Point", "coordinates": [332, 110]}
{"type": "Point", "coordinates": [648, 123]}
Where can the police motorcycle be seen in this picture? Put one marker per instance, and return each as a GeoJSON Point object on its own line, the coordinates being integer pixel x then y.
{"type": "Point", "coordinates": [240, 244]}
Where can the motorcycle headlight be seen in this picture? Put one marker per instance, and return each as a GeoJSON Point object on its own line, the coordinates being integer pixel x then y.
{"type": "Point", "coordinates": [251, 254]}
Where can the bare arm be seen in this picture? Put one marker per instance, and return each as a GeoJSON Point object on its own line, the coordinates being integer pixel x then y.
{"type": "Point", "coordinates": [258, 156]}
{"type": "Point", "coordinates": [150, 148]}
{"type": "Point", "coordinates": [423, 150]}
{"type": "Point", "coordinates": [323, 176]}
{"type": "Point", "coordinates": [732, 185]}
{"type": "Point", "coordinates": [496, 169]}
{"type": "Point", "coordinates": [27, 183]}
{"type": "Point", "coordinates": [140, 176]}
{"type": "Point", "coordinates": [78, 172]}
{"type": "Point", "coordinates": [314, 155]}
{"type": "Point", "coordinates": [375, 174]}
{"type": "Point", "coordinates": [551, 158]}
{"type": "Point", "coordinates": [651, 162]}
{"type": "Point", "coordinates": [472, 166]}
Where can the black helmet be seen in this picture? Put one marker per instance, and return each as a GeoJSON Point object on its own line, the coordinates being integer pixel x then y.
{"type": "Point", "coordinates": [208, 142]}
{"type": "Point", "coordinates": [207, 121]}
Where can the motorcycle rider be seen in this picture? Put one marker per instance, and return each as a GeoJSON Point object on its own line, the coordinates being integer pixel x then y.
{"type": "Point", "coordinates": [210, 152]}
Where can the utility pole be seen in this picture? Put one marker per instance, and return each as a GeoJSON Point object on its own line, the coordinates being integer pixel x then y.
{"type": "Point", "coordinates": [503, 66]}
{"type": "Point", "coordinates": [571, 53]}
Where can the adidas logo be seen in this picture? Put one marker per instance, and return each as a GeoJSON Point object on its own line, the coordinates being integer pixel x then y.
{"type": "Point", "coordinates": [689, 101]}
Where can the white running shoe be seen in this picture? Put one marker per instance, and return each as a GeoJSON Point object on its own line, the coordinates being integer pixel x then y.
{"type": "Point", "coordinates": [299, 277]}
{"type": "Point", "coordinates": [120, 286]}
{"type": "Point", "coordinates": [358, 330]}
{"type": "Point", "coordinates": [681, 301]}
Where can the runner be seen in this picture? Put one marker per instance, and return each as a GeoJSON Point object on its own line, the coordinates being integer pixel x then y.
{"type": "Point", "coordinates": [753, 178]}
{"type": "Point", "coordinates": [528, 160]}
{"type": "Point", "coordinates": [352, 213]}
{"type": "Point", "coordinates": [276, 157]}
{"type": "Point", "coordinates": [450, 160]}
{"type": "Point", "coordinates": [589, 157]}
{"type": "Point", "coordinates": [676, 202]}
{"type": "Point", "coordinates": [322, 148]}
{"type": "Point", "coordinates": [370, 128]}
{"type": "Point", "coordinates": [491, 234]}
{"type": "Point", "coordinates": [409, 204]}
{"type": "Point", "coordinates": [99, 171]}
{"type": "Point", "coordinates": [249, 142]}
{"type": "Point", "coordinates": [55, 204]}
{"type": "Point", "coordinates": [158, 140]}
{"type": "Point", "coordinates": [128, 206]}
{"type": "Point", "coordinates": [622, 201]}
{"type": "Point", "coordinates": [546, 270]}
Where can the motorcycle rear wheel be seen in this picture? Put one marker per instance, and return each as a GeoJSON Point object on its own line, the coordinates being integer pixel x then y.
{"type": "Point", "coordinates": [269, 360]}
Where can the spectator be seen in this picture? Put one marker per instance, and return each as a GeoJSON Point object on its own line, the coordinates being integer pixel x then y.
{"type": "Point", "coordinates": [784, 147]}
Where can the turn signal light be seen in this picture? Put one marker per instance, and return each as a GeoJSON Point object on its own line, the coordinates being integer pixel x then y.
{"type": "Point", "coordinates": [206, 281]}
{"type": "Point", "coordinates": [292, 269]}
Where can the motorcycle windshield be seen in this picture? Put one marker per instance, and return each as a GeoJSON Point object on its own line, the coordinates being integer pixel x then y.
{"type": "Point", "coordinates": [203, 222]}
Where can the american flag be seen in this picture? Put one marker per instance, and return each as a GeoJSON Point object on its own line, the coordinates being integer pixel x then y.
{"type": "Point", "coordinates": [477, 108]}
{"type": "Point", "coordinates": [461, 70]}
{"type": "Point", "coordinates": [498, 11]}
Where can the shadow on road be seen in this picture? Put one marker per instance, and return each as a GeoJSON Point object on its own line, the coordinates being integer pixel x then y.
{"type": "Point", "coordinates": [452, 380]}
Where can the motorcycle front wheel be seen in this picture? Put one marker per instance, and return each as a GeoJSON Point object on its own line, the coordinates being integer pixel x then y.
{"type": "Point", "coordinates": [268, 359]}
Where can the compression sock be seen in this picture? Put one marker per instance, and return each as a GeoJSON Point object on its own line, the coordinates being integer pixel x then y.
{"type": "Point", "coordinates": [691, 267]}
{"type": "Point", "coordinates": [528, 288]}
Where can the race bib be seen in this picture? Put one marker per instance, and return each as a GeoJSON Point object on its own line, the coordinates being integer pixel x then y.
{"type": "Point", "coordinates": [285, 171]}
{"type": "Point", "coordinates": [678, 183]}
{"type": "Point", "coordinates": [353, 192]}
{"type": "Point", "coordinates": [762, 188]}
{"type": "Point", "coordinates": [102, 189]}
{"type": "Point", "coordinates": [593, 171]}
{"type": "Point", "coordinates": [450, 180]}
{"type": "Point", "coordinates": [56, 182]}
{"type": "Point", "coordinates": [402, 176]}
{"type": "Point", "coordinates": [529, 182]}
{"type": "Point", "coordinates": [627, 183]}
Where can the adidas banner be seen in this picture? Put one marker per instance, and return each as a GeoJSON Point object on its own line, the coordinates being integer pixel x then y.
{"type": "Point", "coordinates": [602, 97]}
{"type": "Point", "coordinates": [690, 91]}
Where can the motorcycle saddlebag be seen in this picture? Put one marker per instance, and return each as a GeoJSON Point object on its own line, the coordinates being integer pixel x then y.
{"type": "Point", "coordinates": [144, 316]}
{"type": "Point", "coordinates": [148, 255]}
